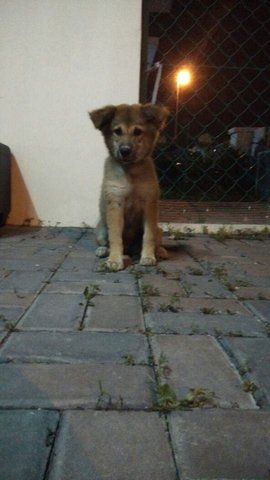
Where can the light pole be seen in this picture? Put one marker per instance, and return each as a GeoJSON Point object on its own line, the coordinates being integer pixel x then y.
{"type": "Point", "coordinates": [183, 78]}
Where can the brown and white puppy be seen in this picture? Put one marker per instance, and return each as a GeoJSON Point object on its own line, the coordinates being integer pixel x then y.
{"type": "Point", "coordinates": [130, 190]}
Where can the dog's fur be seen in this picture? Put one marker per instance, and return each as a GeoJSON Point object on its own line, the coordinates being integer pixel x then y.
{"type": "Point", "coordinates": [130, 190]}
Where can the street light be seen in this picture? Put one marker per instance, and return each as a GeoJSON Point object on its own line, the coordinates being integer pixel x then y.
{"type": "Point", "coordinates": [183, 78]}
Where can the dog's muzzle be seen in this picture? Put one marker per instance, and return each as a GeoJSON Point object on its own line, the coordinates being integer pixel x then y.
{"type": "Point", "coordinates": [125, 151]}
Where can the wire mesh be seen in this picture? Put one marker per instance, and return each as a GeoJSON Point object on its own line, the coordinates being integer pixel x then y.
{"type": "Point", "coordinates": [217, 142]}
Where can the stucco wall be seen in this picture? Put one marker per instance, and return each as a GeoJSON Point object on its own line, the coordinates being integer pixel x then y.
{"type": "Point", "coordinates": [59, 59]}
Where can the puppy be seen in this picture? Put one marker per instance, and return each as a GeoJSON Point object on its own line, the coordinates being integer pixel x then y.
{"type": "Point", "coordinates": [130, 191]}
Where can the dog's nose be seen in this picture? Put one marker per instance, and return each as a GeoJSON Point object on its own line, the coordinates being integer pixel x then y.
{"type": "Point", "coordinates": [124, 150]}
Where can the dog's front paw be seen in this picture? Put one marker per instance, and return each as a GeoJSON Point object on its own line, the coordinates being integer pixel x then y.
{"type": "Point", "coordinates": [148, 261]}
{"type": "Point", "coordinates": [114, 265]}
{"type": "Point", "coordinates": [102, 252]}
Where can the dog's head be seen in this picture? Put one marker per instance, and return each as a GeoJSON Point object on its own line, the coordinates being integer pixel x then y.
{"type": "Point", "coordinates": [130, 131]}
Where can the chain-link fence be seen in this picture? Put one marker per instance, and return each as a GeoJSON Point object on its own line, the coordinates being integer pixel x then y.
{"type": "Point", "coordinates": [217, 142]}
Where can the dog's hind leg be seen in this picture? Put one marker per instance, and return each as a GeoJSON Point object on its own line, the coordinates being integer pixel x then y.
{"type": "Point", "coordinates": [161, 253]}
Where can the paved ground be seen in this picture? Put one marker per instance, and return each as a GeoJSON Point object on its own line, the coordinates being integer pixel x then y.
{"type": "Point", "coordinates": [147, 374]}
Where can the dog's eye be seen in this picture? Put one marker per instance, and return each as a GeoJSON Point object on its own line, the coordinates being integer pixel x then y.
{"type": "Point", "coordinates": [118, 131]}
{"type": "Point", "coordinates": [137, 131]}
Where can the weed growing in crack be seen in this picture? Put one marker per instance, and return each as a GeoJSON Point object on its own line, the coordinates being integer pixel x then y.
{"type": "Point", "coordinates": [11, 326]}
{"type": "Point", "coordinates": [129, 359]}
{"type": "Point", "coordinates": [267, 329]}
{"type": "Point", "coordinates": [167, 399]}
{"type": "Point", "coordinates": [136, 272]}
{"type": "Point", "coordinates": [146, 305]}
{"type": "Point", "coordinates": [195, 271]}
{"type": "Point", "coordinates": [104, 397]}
{"type": "Point", "coordinates": [89, 293]}
{"type": "Point", "coordinates": [173, 304]}
{"type": "Point", "coordinates": [249, 386]}
{"type": "Point", "coordinates": [105, 401]}
{"type": "Point", "coordinates": [208, 311]}
{"type": "Point", "coordinates": [149, 291]}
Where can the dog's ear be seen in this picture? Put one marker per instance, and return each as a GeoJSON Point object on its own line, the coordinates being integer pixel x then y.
{"type": "Point", "coordinates": [103, 116]}
{"type": "Point", "coordinates": [156, 114]}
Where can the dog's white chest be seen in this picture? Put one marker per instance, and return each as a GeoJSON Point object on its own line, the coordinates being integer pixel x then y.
{"type": "Point", "coordinates": [119, 185]}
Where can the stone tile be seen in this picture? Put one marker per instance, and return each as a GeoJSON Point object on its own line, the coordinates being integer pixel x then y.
{"type": "Point", "coordinates": [25, 442]}
{"type": "Point", "coordinates": [251, 272]}
{"type": "Point", "coordinates": [54, 312]}
{"type": "Point", "coordinates": [162, 303]}
{"type": "Point", "coordinates": [199, 305]}
{"type": "Point", "coordinates": [221, 444]}
{"type": "Point", "coordinates": [85, 245]}
{"type": "Point", "coordinates": [74, 347]}
{"type": "Point", "coordinates": [198, 323]}
{"type": "Point", "coordinates": [161, 285]}
{"type": "Point", "coordinates": [22, 300]}
{"type": "Point", "coordinates": [85, 275]}
{"type": "Point", "coordinates": [66, 287]}
{"type": "Point", "coordinates": [3, 272]}
{"type": "Point", "coordinates": [74, 386]}
{"type": "Point", "coordinates": [89, 276]}
{"type": "Point", "coordinates": [260, 308]}
{"type": "Point", "coordinates": [252, 293]}
{"type": "Point", "coordinates": [112, 313]}
{"type": "Point", "coordinates": [204, 286]}
{"type": "Point", "coordinates": [30, 263]}
{"type": "Point", "coordinates": [78, 263]}
{"type": "Point", "coordinates": [115, 288]}
{"type": "Point", "coordinates": [112, 447]}
{"type": "Point", "coordinates": [65, 282]}
{"type": "Point", "coordinates": [21, 281]}
{"type": "Point", "coordinates": [199, 362]}
{"type": "Point", "coordinates": [214, 305]}
{"type": "Point", "coordinates": [9, 315]}
{"type": "Point", "coordinates": [253, 356]}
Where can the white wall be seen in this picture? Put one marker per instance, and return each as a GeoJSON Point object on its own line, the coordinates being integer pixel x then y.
{"type": "Point", "coordinates": [59, 59]}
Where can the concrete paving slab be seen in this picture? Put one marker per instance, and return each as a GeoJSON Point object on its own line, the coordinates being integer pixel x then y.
{"type": "Point", "coordinates": [21, 281]}
{"type": "Point", "coordinates": [66, 287]}
{"type": "Point", "coordinates": [198, 323]}
{"type": "Point", "coordinates": [25, 443]}
{"type": "Point", "coordinates": [215, 305]}
{"type": "Point", "coordinates": [76, 386]}
{"type": "Point", "coordinates": [107, 285]}
{"type": "Point", "coordinates": [115, 288]}
{"type": "Point", "coordinates": [9, 315]}
{"type": "Point", "coordinates": [30, 263]}
{"type": "Point", "coordinates": [112, 445]}
{"type": "Point", "coordinates": [253, 293]}
{"type": "Point", "coordinates": [85, 275]}
{"type": "Point", "coordinates": [111, 313]}
{"type": "Point", "coordinates": [204, 286]}
{"type": "Point", "coordinates": [78, 263]}
{"type": "Point", "coordinates": [89, 276]}
{"type": "Point", "coordinates": [165, 303]}
{"type": "Point", "coordinates": [199, 362]}
{"type": "Point", "coordinates": [86, 244]}
{"type": "Point", "coordinates": [260, 308]}
{"type": "Point", "coordinates": [74, 347]}
{"type": "Point", "coordinates": [161, 285]}
{"type": "Point", "coordinates": [54, 312]}
{"type": "Point", "coordinates": [253, 356]}
{"type": "Point", "coordinates": [22, 299]}
{"type": "Point", "coordinates": [221, 444]}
